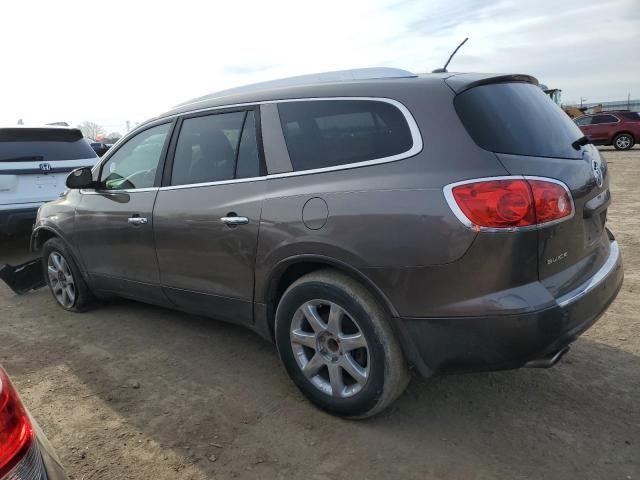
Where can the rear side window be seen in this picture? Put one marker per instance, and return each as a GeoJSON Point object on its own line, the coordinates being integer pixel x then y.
{"type": "Point", "coordinates": [603, 119]}
{"type": "Point", "coordinates": [631, 116]}
{"type": "Point", "coordinates": [517, 118]}
{"type": "Point", "coordinates": [328, 133]}
{"type": "Point", "coordinates": [43, 145]}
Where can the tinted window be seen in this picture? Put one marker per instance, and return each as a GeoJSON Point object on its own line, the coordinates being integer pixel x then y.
{"type": "Point", "coordinates": [134, 164]}
{"type": "Point", "coordinates": [603, 119]}
{"type": "Point", "coordinates": [206, 149]}
{"type": "Point", "coordinates": [248, 161]}
{"type": "Point", "coordinates": [517, 118]}
{"type": "Point", "coordinates": [43, 145]}
{"type": "Point", "coordinates": [327, 133]}
{"type": "Point", "coordinates": [582, 121]}
{"type": "Point", "coordinates": [631, 115]}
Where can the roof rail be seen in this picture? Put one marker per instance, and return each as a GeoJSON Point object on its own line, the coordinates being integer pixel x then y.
{"type": "Point", "coordinates": [314, 78]}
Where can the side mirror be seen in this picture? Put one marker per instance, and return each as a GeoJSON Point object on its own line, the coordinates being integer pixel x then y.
{"type": "Point", "coordinates": [80, 178]}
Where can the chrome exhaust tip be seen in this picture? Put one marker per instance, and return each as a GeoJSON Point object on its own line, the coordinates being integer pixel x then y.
{"type": "Point", "coordinates": [547, 362]}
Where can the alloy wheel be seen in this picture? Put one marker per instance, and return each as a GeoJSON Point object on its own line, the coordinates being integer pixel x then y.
{"type": "Point", "coordinates": [623, 142]}
{"type": "Point", "coordinates": [61, 280]}
{"type": "Point", "coordinates": [330, 348]}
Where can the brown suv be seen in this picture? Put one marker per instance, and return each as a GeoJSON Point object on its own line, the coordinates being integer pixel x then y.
{"type": "Point", "coordinates": [368, 222]}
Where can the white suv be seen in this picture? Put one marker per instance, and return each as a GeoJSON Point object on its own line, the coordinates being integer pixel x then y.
{"type": "Point", "coordinates": [34, 163]}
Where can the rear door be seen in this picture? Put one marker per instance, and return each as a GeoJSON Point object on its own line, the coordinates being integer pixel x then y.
{"type": "Point", "coordinates": [34, 163]}
{"type": "Point", "coordinates": [207, 215]}
{"type": "Point", "coordinates": [532, 136]}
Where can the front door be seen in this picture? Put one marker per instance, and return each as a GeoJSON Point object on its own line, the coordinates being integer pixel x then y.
{"type": "Point", "coordinates": [114, 222]}
{"type": "Point", "coordinates": [601, 127]}
{"type": "Point", "coordinates": [206, 218]}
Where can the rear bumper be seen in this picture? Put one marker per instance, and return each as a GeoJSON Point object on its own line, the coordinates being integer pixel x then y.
{"type": "Point", "coordinates": [15, 220]}
{"type": "Point", "coordinates": [497, 342]}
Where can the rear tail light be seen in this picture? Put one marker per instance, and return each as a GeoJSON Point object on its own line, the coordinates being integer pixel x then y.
{"type": "Point", "coordinates": [509, 202]}
{"type": "Point", "coordinates": [16, 432]}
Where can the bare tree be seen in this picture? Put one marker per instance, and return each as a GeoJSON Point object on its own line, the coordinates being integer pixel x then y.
{"type": "Point", "coordinates": [91, 129]}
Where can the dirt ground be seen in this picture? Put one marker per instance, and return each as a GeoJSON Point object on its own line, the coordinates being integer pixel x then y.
{"type": "Point", "coordinates": [130, 391]}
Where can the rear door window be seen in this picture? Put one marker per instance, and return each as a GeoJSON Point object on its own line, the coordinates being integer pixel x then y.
{"type": "Point", "coordinates": [329, 133]}
{"type": "Point", "coordinates": [208, 147]}
{"type": "Point", "coordinates": [519, 119]}
{"type": "Point", "coordinates": [603, 119]}
{"type": "Point", "coordinates": [43, 145]}
{"type": "Point", "coordinates": [248, 164]}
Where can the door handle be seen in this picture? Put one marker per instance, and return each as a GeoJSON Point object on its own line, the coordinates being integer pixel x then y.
{"type": "Point", "coordinates": [137, 220]}
{"type": "Point", "coordinates": [232, 221]}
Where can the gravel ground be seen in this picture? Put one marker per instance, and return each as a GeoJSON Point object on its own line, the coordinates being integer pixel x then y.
{"type": "Point", "coordinates": [133, 391]}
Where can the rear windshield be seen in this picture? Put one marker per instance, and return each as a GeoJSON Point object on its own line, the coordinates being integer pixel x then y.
{"type": "Point", "coordinates": [517, 118]}
{"type": "Point", "coordinates": [43, 145]}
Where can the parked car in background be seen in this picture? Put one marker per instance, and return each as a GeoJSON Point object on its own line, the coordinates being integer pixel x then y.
{"type": "Point", "coordinates": [34, 163]}
{"type": "Point", "coordinates": [25, 452]}
{"type": "Point", "coordinates": [366, 221]}
{"type": "Point", "coordinates": [99, 147]}
{"type": "Point", "coordinates": [618, 128]}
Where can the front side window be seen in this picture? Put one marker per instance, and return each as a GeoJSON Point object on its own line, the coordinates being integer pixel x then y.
{"type": "Point", "coordinates": [582, 121]}
{"type": "Point", "coordinates": [328, 133]}
{"type": "Point", "coordinates": [603, 119]}
{"type": "Point", "coordinates": [134, 165]}
{"type": "Point", "coordinates": [207, 148]}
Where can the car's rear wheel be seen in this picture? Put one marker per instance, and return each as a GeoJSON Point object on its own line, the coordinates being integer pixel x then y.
{"type": "Point", "coordinates": [336, 344]}
{"type": "Point", "coordinates": [64, 278]}
{"type": "Point", "coordinates": [623, 141]}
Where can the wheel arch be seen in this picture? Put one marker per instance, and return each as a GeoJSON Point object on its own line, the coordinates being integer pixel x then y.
{"type": "Point", "coordinates": [289, 270]}
{"type": "Point", "coordinates": [622, 132]}
{"type": "Point", "coordinates": [42, 233]}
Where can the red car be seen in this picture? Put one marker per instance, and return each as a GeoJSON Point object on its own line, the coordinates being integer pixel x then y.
{"type": "Point", "coordinates": [25, 453]}
{"type": "Point", "coordinates": [618, 128]}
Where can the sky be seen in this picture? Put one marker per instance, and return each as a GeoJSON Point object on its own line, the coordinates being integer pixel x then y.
{"type": "Point", "coordinates": [113, 61]}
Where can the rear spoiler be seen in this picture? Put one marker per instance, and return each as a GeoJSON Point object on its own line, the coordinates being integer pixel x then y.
{"type": "Point", "coordinates": [464, 81]}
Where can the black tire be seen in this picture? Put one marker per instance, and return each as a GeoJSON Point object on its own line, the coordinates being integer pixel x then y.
{"type": "Point", "coordinates": [623, 141]}
{"type": "Point", "coordinates": [83, 299]}
{"type": "Point", "coordinates": [388, 374]}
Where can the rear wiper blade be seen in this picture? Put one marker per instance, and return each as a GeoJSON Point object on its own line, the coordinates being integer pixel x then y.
{"type": "Point", "coordinates": [584, 140]}
{"type": "Point", "coordinates": [26, 158]}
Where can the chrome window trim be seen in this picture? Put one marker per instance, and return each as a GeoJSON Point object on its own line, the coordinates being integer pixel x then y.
{"type": "Point", "coordinates": [416, 137]}
{"type": "Point", "coordinates": [113, 192]}
{"type": "Point", "coordinates": [453, 205]}
{"type": "Point", "coordinates": [212, 184]}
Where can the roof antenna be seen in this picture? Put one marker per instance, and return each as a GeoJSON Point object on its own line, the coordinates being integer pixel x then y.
{"type": "Point", "coordinates": [444, 69]}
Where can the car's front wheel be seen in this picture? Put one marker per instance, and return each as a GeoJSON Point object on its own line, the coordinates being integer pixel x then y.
{"type": "Point", "coordinates": [336, 344]}
{"type": "Point", "coordinates": [63, 277]}
{"type": "Point", "coordinates": [623, 141]}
